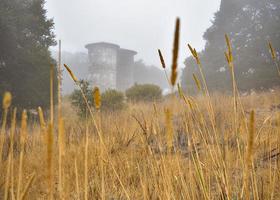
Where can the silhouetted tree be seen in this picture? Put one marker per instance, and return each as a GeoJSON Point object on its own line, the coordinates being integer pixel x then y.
{"type": "Point", "coordinates": [25, 36]}
{"type": "Point", "coordinates": [250, 24]}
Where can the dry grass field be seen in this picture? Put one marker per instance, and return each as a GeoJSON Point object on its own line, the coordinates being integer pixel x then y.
{"type": "Point", "coordinates": [165, 150]}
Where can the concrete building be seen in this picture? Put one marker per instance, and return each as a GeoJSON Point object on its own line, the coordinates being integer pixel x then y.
{"type": "Point", "coordinates": [110, 66]}
{"type": "Point", "coordinates": [125, 69]}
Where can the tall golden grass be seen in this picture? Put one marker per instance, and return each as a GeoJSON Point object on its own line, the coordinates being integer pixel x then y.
{"type": "Point", "coordinates": [186, 147]}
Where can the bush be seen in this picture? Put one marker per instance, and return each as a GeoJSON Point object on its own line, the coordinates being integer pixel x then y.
{"type": "Point", "coordinates": [112, 100]}
{"type": "Point", "coordinates": [145, 92]}
{"type": "Point", "coordinates": [77, 98]}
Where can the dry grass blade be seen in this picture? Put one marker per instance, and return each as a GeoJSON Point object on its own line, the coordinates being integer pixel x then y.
{"type": "Point", "coordinates": [51, 95]}
{"type": "Point", "coordinates": [23, 135]}
{"type": "Point", "coordinates": [41, 119]}
{"type": "Point", "coordinates": [77, 180]}
{"type": "Point", "coordinates": [174, 66]}
{"type": "Point", "coordinates": [61, 141]}
{"type": "Point", "coordinates": [197, 82]}
{"type": "Point", "coordinates": [86, 165]}
{"type": "Point", "coordinates": [10, 171]}
{"type": "Point", "coordinates": [49, 159]}
{"type": "Point", "coordinates": [7, 100]}
{"type": "Point", "coordinates": [249, 155]}
{"type": "Point", "coordinates": [7, 179]}
{"type": "Point", "coordinates": [28, 185]}
{"type": "Point", "coordinates": [227, 57]}
{"type": "Point", "coordinates": [180, 91]}
{"type": "Point", "coordinates": [169, 129]}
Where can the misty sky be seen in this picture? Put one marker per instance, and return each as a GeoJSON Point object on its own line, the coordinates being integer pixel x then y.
{"type": "Point", "coordinates": [141, 25]}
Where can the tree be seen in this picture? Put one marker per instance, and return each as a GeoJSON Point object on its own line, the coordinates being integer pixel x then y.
{"type": "Point", "coordinates": [25, 36]}
{"type": "Point", "coordinates": [250, 24]}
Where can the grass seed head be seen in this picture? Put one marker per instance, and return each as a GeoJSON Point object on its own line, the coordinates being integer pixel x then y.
{"type": "Point", "coordinates": [7, 100]}
{"type": "Point", "coordinates": [272, 51]}
{"type": "Point", "coordinates": [97, 97]}
{"type": "Point", "coordinates": [75, 79]}
{"type": "Point", "coordinates": [194, 54]}
{"type": "Point", "coordinates": [161, 59]}
{"type": "Point", "coordinates": [229, 56]}
{"type": "Point", "coordinates": [174, 73]}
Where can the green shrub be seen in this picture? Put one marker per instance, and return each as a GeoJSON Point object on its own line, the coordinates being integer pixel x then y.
{"type": "Point", "coordinates": [145, 92]}
{"type": "Point", "coordinates": [77, 98]}
{"type": "Point", "coordinates": [112, 100]}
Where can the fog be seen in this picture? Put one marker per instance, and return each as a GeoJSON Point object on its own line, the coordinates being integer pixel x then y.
{"type": "Point", "coordinates": [141, 25]}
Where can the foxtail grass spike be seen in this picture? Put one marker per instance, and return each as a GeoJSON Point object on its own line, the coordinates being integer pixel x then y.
{"type": "Point", "coordinates": [7, 100]}
{"type": "Point", "coordinates": [229, 54]}
{"type": "Point", "coordinates": [74, 78]}
{"type": "Point", "coordinates": [194, 54]}
{"type": "Point", "coordinates": [174, 72]}
{"type": "Point", "coordinates": [97, 98]}
{"type": "Point", "coordinates": [161, 59]}
{"type": "Point", "coordinates": [272, 51]}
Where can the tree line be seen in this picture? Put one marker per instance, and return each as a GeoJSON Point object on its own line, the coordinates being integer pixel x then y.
{"type": "Point", "coordinates": [250, 24]}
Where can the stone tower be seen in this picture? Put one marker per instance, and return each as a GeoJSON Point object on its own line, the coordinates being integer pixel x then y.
{"type": "Point", "coordinates": [103, 59]}
{"type": "Point", "coordinates": [110, 66]}
{"type": "Point", "coordinates": [125, 69]}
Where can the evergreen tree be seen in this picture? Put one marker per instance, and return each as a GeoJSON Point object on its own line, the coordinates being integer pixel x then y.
{"type": "Point", "coordinates": [25, 36]}
{"type": "Point", "coordinates": [250, 24]}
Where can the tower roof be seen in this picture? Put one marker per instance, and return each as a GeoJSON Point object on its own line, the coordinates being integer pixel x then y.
{"type": "Point", "coordinates": [102, 44]}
